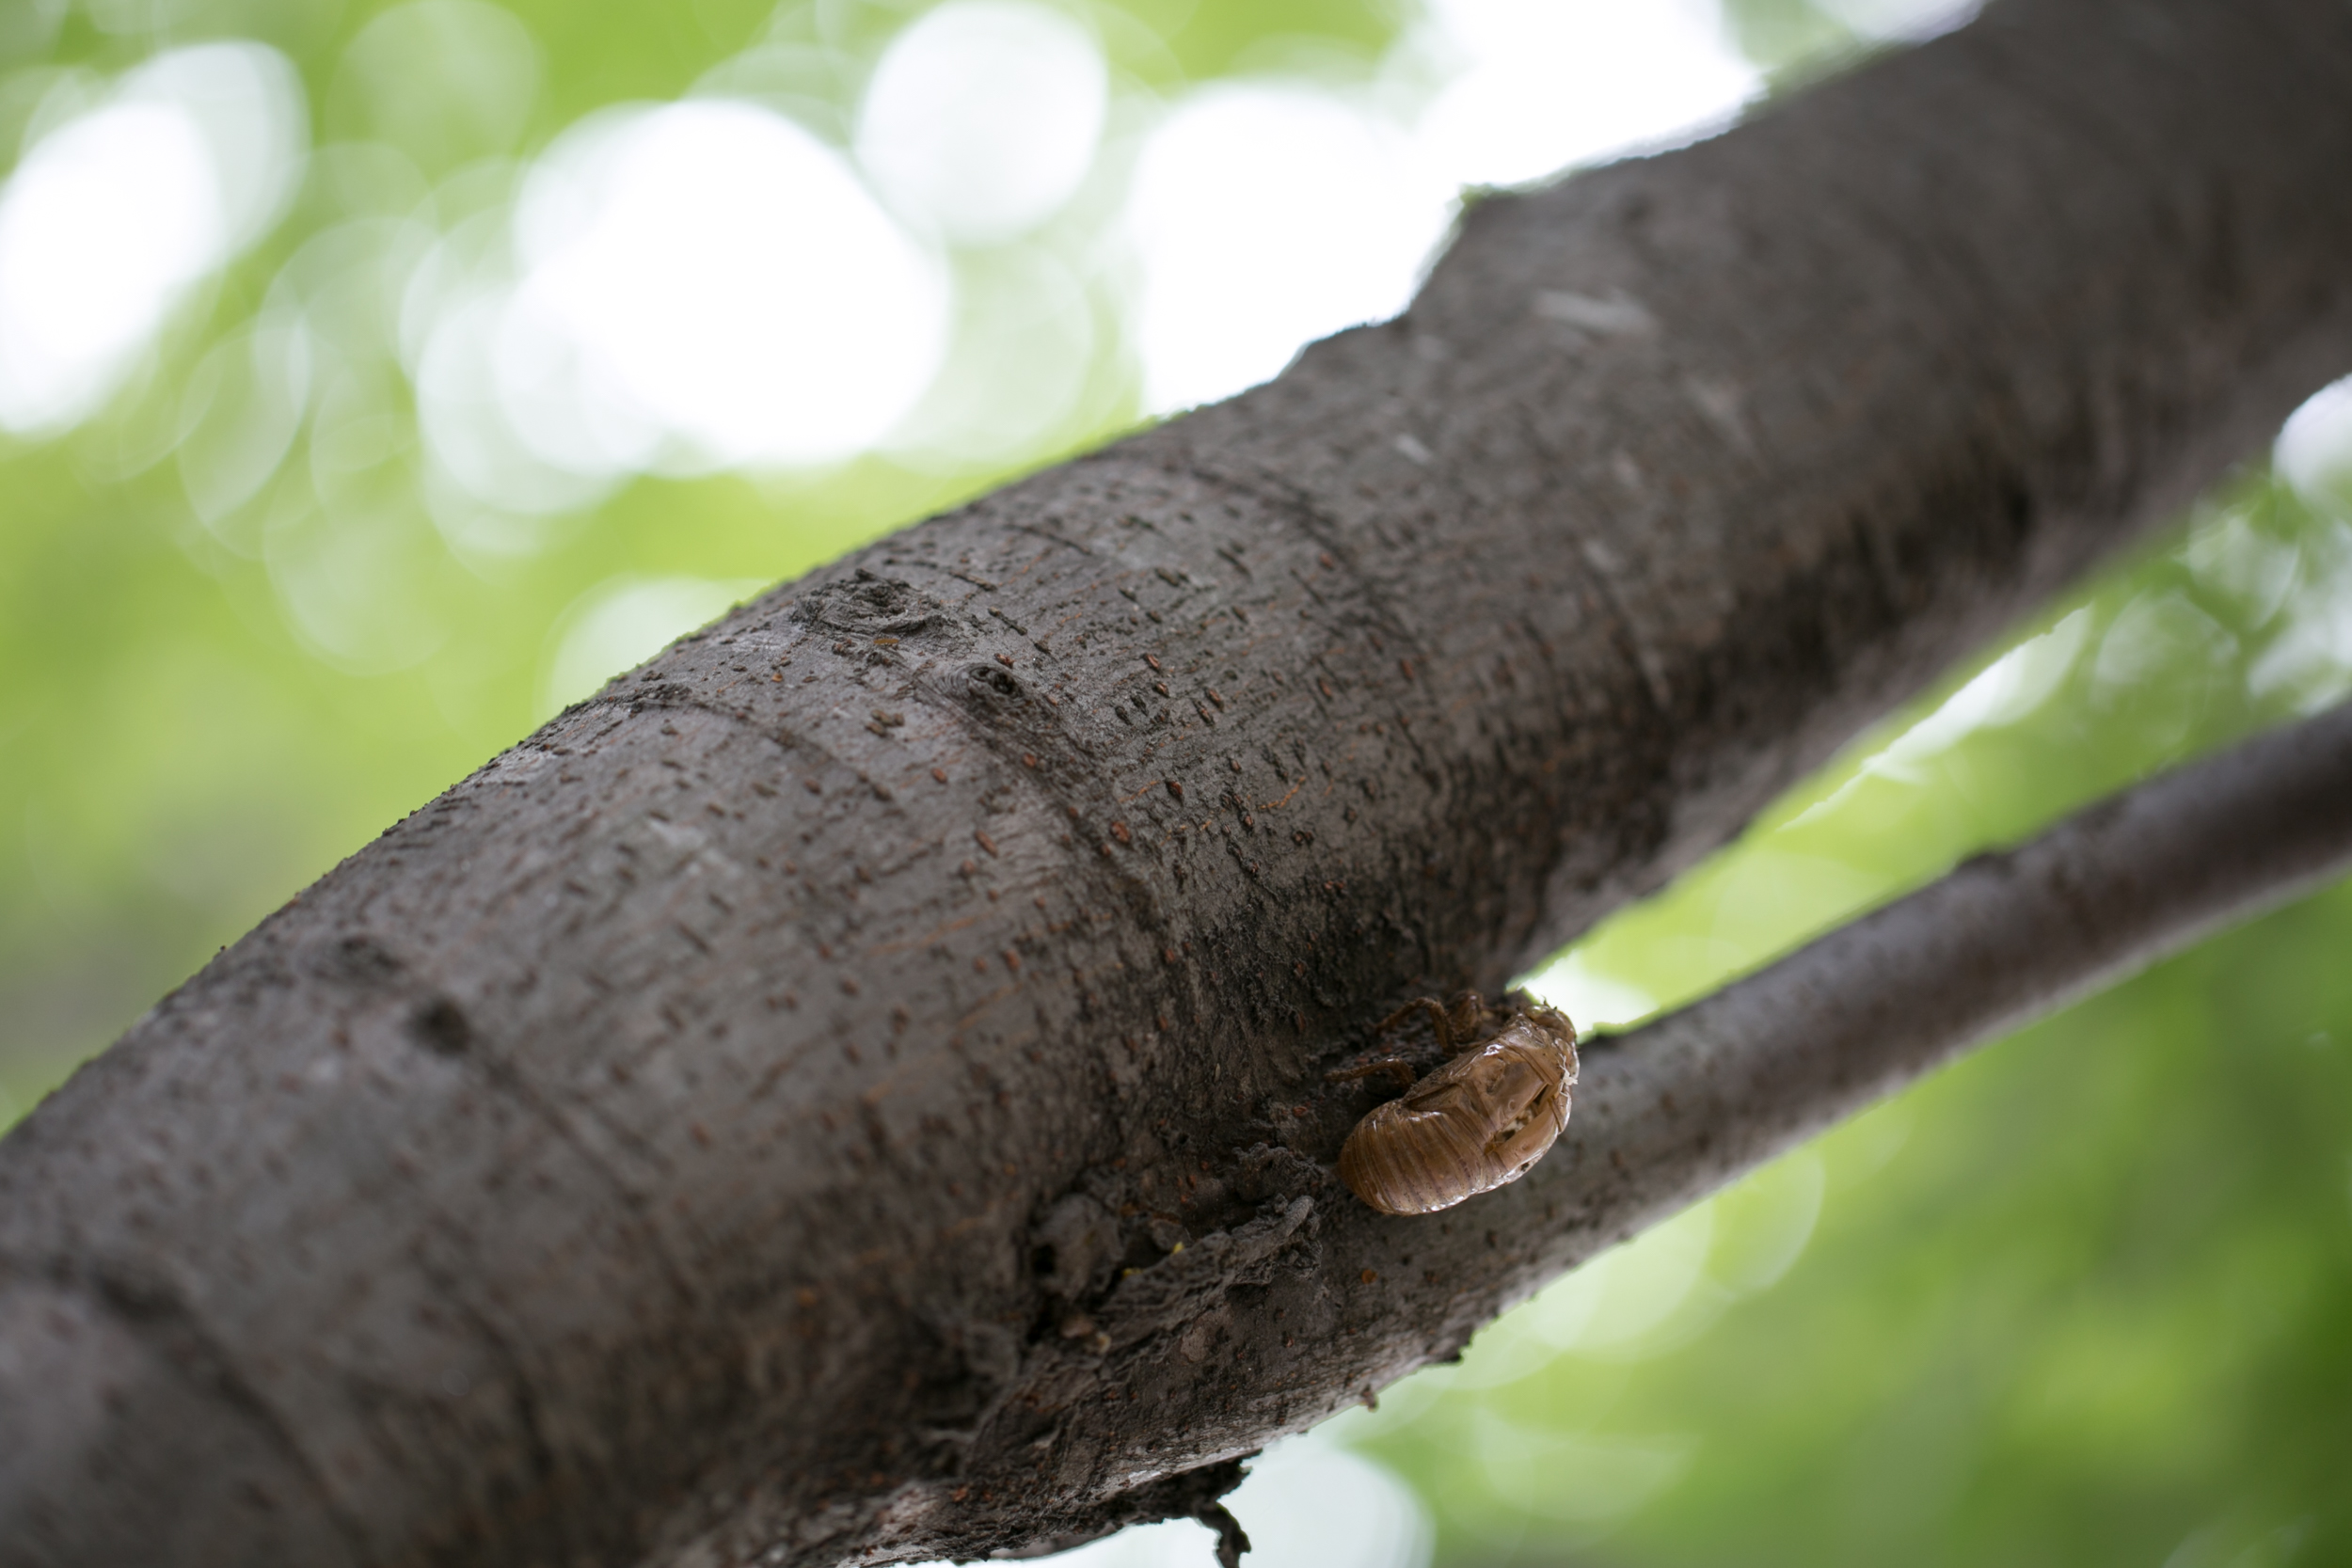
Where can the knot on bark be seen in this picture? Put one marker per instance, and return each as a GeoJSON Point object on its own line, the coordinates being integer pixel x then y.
{"type": "Point", "coordinates": [867, 603]}
{"type": "Point", "coordinates": [993, 691]}
{"type": "Point", "coordinates": [440, 1026]}
{"type": "Point", "coordinates": [1075, 1248]}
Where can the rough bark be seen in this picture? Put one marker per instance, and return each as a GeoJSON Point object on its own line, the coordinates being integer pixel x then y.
{"type": "Point", "coordinates": [757, 1117]}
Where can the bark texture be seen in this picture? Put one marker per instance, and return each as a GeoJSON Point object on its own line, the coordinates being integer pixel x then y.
{"type": "Point", "coordinates": [854, 1090]}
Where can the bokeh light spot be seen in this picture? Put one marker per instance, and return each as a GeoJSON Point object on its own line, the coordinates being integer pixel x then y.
{"type": "Point", "coordinates": [482, 66]}
{"type": "Point", "coordinates": [1265, 215]}
{"type": "Point", "coordinates": [1574, 1477]}
{"type": "Point", "coordinates": [1554, 83]}
{"type": "Point", "coordinates": [1024, 349]}
{"type": "Point", "coordinates": [242, 405]}
{"type": "Point", "coordinates": [356, 575]}
{"type": "Point", "coordinates": [1589, 996]}
{"type": "Point", "coordinates": [111, 217]}
{"type": "Point", "coordinates": [2314, 451]}
{"type": "Point", "coordinates": [706, 286]}
{"type": "Point", "coordinates": [108, 220]}
{"type": "Point", "coordinates": [982, 118]}
{"type": "Point", "coordinates": [625, 621]}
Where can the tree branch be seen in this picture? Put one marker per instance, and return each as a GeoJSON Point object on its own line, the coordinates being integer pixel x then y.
{"type": "Point", "coordinates": [1685, 1103]}
{"type": "Point", "coordinates": [724, 1128]}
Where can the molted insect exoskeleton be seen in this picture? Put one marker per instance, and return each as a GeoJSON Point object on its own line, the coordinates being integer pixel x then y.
{"type": "Point", "coordinates": [1480, 1121]}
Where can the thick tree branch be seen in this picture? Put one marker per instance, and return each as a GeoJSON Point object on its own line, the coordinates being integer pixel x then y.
{"type": "Point", "coordinates": [721, 1129]}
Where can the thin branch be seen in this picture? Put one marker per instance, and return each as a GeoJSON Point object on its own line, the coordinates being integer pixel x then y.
{"type": "Point", "coordinates": [1674, 1109]}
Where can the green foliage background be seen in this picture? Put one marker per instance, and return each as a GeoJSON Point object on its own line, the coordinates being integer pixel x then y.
{"type": "Point", "coordinates": [2086, 1298]}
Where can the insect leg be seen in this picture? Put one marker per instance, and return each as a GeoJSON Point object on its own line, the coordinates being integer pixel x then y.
{"type": "Point", "coordinates": [1400, 1069]}
{"type": "Point", "coordinates": [1438, 1017]}
{"type": "Point", "coordinates": [1469, 1019]}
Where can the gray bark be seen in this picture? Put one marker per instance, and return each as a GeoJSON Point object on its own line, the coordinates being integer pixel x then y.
{"type": "Point", "coordinates": [756, 1118]}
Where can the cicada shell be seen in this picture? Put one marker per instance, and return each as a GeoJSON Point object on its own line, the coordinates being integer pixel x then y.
{"type": "Point", "coordinates": [1474, 1124]}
